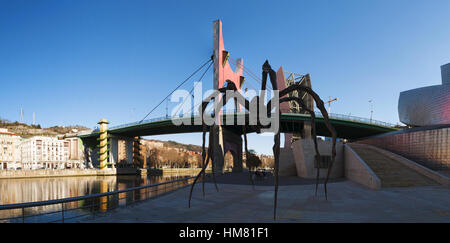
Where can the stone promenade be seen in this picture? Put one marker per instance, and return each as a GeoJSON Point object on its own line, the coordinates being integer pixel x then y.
{"type": "Point", "coordinates": [242, 202]}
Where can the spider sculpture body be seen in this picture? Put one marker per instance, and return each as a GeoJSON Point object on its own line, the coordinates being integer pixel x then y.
{"type": "Point", "coordinates": [266, 70]}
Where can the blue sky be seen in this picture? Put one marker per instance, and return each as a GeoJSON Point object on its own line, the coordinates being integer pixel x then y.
{"type": "Point", "coordinates": [74, 62]}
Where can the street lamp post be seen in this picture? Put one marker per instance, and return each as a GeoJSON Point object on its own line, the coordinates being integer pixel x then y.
{"type": "Point", "coordinates": [193, 101]}
{"type": "Point", "coordinates": [167, 110]}
{"type": "Point", "coordinates": [371, 109]}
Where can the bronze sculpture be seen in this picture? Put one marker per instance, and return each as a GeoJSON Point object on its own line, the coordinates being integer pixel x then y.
{"type": "Point", "coordinates": [267, 70]}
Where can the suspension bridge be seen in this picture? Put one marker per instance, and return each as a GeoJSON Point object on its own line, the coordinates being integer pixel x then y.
{"type": "Point", "coordinates": [228, 138]}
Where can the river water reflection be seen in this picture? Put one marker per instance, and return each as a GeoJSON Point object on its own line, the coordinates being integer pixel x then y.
{"type": "Point", "coordinates": [42, 189]}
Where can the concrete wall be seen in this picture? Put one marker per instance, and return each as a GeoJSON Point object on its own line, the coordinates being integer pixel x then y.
{"type": "Point", "coordinates": [287, 163]}
{"type": "Point", "coordinates": [303, 151]}
{"type": "Point", "coordinates": [94, 157]}
{"type": "Point", "coordinates": [357, 170]}
{"type": "Point", "coordinates": [114, 150]}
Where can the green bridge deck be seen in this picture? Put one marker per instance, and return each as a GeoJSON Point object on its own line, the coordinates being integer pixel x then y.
{"type": "Point", "coordinates": [345, 128]}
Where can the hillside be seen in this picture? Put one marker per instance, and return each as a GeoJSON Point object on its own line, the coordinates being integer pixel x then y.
{"type": "Point", "coordinates": [174, 154]}
{"type": "Point", "coordinates": [26, 130]}
{"type": "Point", "coordinates": [188, 147]}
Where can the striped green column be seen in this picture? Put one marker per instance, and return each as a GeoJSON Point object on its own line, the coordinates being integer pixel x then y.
{"type": "Point", "coordinates": [103, 143]}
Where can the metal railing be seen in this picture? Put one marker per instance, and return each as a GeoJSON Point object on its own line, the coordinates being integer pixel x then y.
{"type": "Point", "coordinates": [358, 119]}
{"type": "Point", "coordinates": [107, 198]}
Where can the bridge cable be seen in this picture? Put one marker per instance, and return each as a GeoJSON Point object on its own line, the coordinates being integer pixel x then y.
{"type": "Point", "coordinates": [197, 104]}
{"type": "Point", "coordinates": [249, 73]}
{"type": "Point", "coordinates": [232, 61]}
{"type": "Point", "coordinates": [245, 69]}
{"type": "Point", "coordinates": [192, 90]}
{"type": "Point", "coordinates": [247, 83]}
{"type": "Point", "coordinates": [209, 60]}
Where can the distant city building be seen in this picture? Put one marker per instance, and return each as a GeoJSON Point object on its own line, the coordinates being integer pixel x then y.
{"type": "Point", "coordinates": [427, 105]}
{"type": "Point", "coordinates": [40, 152]}
{"type": "Point", "coordinates": [9, 150]}
{"type": "Point", "coordinates": [44, 152]}
{"type": "Point", "coordinates": [75, 148]}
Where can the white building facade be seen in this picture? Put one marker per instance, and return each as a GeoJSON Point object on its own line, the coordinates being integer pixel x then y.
{"type": "Point", "coordinates": [44, 152]}
{"type": "Point", "coordinates": [9, 150]}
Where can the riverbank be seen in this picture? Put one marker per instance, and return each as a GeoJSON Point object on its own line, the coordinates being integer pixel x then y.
{"type": "Point", "coordinates": [176, 171]}
{"type": "Point", "coordinates": [17, 174]}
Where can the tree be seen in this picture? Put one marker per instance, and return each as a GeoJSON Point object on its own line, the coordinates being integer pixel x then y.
{"type": "Point", "coordinates": [253, 161]}
{"type": "Point", "coordinates": [252, 151]}
{"type": "Point", "coordinates": [153, 157]}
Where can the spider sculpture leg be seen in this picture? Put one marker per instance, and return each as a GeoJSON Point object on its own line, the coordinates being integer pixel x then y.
{"type": "Point", "coordinates": [276, 153]}
{"type": "Point", "coordinates": [267, 70]}
{"type": "Point", "coordinates": [239, 100]}
{"type": "Point", "coordinates": [320, 105]}
{"type": "Point", "coordinates": [313, 131]}
{"type": "Point", "coordinates": [203, 167]}
{"type": "Point", "coordinates": [211, 156]}
{"type": "Point", "coordinates": [203, 176]}
{"type": "Point", "coordinates": [247, 157]}
{"type": "Point", "coordinates": [202, 109]}
{"type": "Point", "coordinates": [195, 180]}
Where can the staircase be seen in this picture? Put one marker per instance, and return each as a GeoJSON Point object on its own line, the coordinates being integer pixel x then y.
{"type": "Point", "coordinates": [391, 172]}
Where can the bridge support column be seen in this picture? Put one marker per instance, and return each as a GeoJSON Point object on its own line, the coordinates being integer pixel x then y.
{"type": "Point", "coordinates": [303, 131]}
{"type": "Point", "coordinates": [232, 142]}
{"type": "Point", "coordinates": [103, 144]}
{"type": "Point", "coordinates": [129, 150]}
{"type": "Point", "coordinates": [223, 73]}
{"type": "Point", "coordinates": [218, 153]}
{"type": "Point", "coordinates": [225, 141]}
{"type": "Point", "coordinates": [306, 165]}
{"type": "Point", "coordinates": [114, 151]}
{"type": "Point", "coordinates": [138, 159]}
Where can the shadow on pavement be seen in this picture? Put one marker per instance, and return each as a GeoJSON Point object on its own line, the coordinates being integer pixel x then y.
{"type": "Point", "coordinates": [243, 178]}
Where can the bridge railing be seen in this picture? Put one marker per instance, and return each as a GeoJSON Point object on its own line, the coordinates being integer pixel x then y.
{"type": "Point", "coordinates": [318, 114]}
{"type": "Point", "coordinates": [109, 198]}
{"type": "Point", "coordinates": [358, 119]}
{"type": "Point", "coordinates": [141, 122]}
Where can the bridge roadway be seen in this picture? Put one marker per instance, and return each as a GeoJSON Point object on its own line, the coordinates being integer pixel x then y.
{"type": "Point", "coordinates": [346, 126]}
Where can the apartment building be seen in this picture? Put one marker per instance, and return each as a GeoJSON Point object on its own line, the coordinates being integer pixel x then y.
{"type": "Point", "coordinates": [9, 150]}
{"type": "Point", "coordinates": [44, 152]}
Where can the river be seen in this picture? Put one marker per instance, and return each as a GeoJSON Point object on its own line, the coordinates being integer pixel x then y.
{"type": "Point", "coordinates": [42, 189]}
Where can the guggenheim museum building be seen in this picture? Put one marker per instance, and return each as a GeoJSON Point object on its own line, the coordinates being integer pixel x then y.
{"type": "Point", "coordinates": [426, 139]}
{"type": "Point", "coordinates": [427, 105]}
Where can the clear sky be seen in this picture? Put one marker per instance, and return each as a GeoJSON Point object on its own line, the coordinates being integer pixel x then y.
{"type": "Point", "coordinates": [74, 62]}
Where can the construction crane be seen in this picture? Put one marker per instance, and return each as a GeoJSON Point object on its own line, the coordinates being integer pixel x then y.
{"type": "Point", "coordinates": [329, 103]}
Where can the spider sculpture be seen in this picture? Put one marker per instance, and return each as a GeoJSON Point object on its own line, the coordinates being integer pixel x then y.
{"type": "Point", "coordinates": [267, 70]}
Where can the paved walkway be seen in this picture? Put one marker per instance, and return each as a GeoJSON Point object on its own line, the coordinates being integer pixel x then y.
{"type": "Point", "coordinates": [347, 202]}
